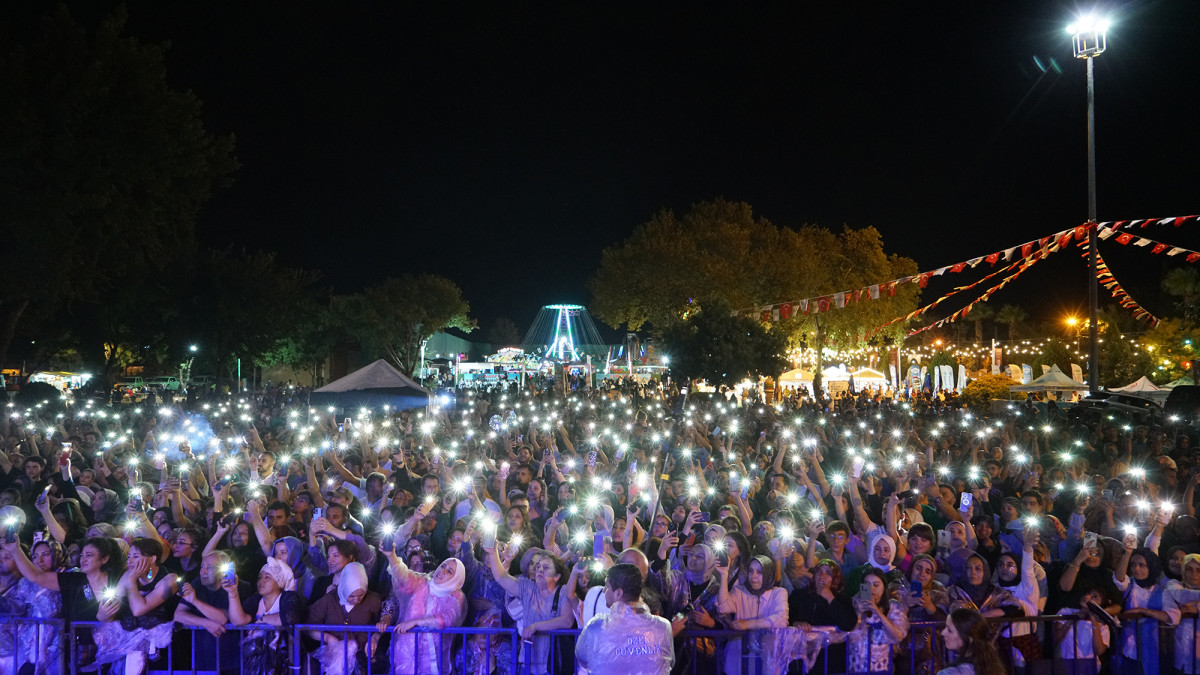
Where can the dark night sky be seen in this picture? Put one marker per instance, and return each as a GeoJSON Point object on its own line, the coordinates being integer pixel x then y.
{"type": "Point", "coordinates": [505, 144]}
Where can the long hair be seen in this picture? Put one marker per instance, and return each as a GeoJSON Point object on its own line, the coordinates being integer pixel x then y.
{"type": "Point", "coordinates": [978, 649]}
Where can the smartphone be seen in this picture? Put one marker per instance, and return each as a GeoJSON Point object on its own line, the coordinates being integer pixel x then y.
{"type": "Point", "coordinates": [229, 519]}
{"type": "Point", "coordinates": [39, 537]}
{"type": "Point", "coordinates": [964, 501]}
{"type": "Point", "coordinates": [916, 589]}
{"type": "Point", "coordinates": [318, 512]}
{"type": "Point", "coordinates": [341, 429]}
{"type": "Point", "coordinates": [223, 482]}
{"type": "Point", "coordinates": [856, 468]}
{"type": "Point", "coordinates": [135, 501]}
{"type": "Point", "coordinates": [591, 460]}
{"type": "Point", "coordinates": [1090, 540]}
{"type": "Point", "coordinates": [228, 575]}
{"type": "Point", "coordinates": [597, 545]}
{"type": "Point", "coordinates": [943, 538]}
{"type": "Point", "coordinates": [388, 541]}
{"type": "Point", "coordinates": [489, 537]}
{"type": "Point", "coordinates": [864, 592]}
{"type": "Point", "coordinates": [1106, 495]}
{"type": "Point", "coordinates": [723, 558]}
{"type": "Point", "coordinates": [41, 500]}
{"type": "Point", "coordinates": [837, 489]}
{"type": "Point", "coordinates": [745, 489]}
{"type": "Point", "coordinates": [633, 466]}
{"type": "Point", "coordinates": [705, 516]}
{"type": "Point", "coordinates": [346, 423]}
{"type": "Point", "coordinates": [10, 532]}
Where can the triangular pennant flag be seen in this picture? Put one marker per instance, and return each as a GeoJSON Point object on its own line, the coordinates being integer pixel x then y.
{"type": "Point", "coordinates": [1158, 248]}
{"type": "Point", "coordinates": [993, 258]}
{"type": "Point", "coordinates": [1142, 242]}
{"type": "Point", "coordinates": [957, 268]}
{"type": "Point", "coordinates": [974, 261]}
{"type": "Point", "coordinates": [1106, 233]}
{"type": "Point", "coordinates": [1175, 250]}
{"type": "Point", "coordinates": [1193, 257]}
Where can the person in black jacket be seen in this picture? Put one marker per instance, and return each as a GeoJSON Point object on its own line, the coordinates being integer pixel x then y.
{"type": "Point", "coordinates": [821, 604]}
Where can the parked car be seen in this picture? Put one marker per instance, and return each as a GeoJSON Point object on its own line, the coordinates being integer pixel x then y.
{"type": "Point", "coordinates": [167, 382]}
{"type": "Point", "coordinates": [1111, 403]}
{"type": "Point", "coordinates": [1183, 402]}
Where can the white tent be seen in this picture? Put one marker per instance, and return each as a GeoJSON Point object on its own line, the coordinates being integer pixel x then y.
{"type": "Point", "coordinates": [866, 377]}
{"type": "Point", "coordinates": [1143, 384]}
{"type": "Point", "coordinates": [1055, 380]}
{"type": "Point", "coordinates": [376, 384]}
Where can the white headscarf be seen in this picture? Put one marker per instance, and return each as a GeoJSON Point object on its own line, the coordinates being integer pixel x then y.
{"type": "Point", "coordinates": [455, 583]}
{"type": "Point", "coordinates": [353, 577]}
{"type": "Point", "coordinates": [882, 567]}
{"type": "Point", "coordinates": [281, 573]}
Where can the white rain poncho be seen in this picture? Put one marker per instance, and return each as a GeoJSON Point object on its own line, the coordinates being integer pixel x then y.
{"type": "Point", "coordinates": [627, 640]}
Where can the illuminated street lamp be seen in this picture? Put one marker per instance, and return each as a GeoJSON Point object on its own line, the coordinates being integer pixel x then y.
{"type": "Point", "coordinates": [1089, 40]}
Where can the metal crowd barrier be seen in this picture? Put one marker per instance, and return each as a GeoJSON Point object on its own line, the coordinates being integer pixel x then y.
{"type": "Point", "coordinates": [697, 652]}
{"type": "Point", "coordinates": [39, 651]}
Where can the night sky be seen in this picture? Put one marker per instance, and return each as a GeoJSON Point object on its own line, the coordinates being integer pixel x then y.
{"type": "Point", "coordinates": [504, 145]}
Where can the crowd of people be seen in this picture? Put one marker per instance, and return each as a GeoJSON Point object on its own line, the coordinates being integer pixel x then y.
{"type": "Point", "coordinates": [894, 535]}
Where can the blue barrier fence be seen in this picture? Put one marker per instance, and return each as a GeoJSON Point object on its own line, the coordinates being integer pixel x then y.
{"type": "Point", "coordinates": [51, 647]}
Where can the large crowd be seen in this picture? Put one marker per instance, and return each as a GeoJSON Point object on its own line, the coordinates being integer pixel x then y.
{"type": "Point", "coordinates": [906, 532]}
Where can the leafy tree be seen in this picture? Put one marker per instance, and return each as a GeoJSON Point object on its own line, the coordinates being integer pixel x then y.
{"type": "Point", "coordinates": [393, 319]}
{"type": "Point", "coordinates": [305, 348]}
{"type": "Point", "coordinates": [716, 346]}
{"type": "Point", "coordinates": [504, 333]}
{"type": "Point", "coordinates": [245, 303]}
{"type": "Point", "coordinates": [1184, 283]}
{"type": "Point", "coordinates": [978, 314]}
{"type": "Point", "coordinates": [1011, 316]}
{"type": "Point", "coordinates": [1055, 352]}
{"type": "Point", "coordinates": [104, 166]}
{"type": "Point", "coordinates": [1171, 348]}
{"type": "Point", "coordinates": [720, 253]}
{"type": "Point", "coordinates": [978, 393]}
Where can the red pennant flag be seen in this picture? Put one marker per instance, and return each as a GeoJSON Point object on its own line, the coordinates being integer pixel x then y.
{"type": "Point", "coordinates": [1193, 257]}
{"type": "Point", "coordinates": [1124, 239]}
{"type": "Point", "coordinates": [1026, 249]}
{"type": "Point", "coordinates": [1180, 219]}
{"type": "Point", "coordinates": [923, 280]}
{"type": "Point", "coordinates": [823, 304]}
{"type": "Point", "coordinates": [958, 268]}
{"type": "Point", "coordinates": [993, 258]}
{"type": "Point", "coordinates": [1159, 248]}
{"type": "Point", "coordinates": [785, 310]}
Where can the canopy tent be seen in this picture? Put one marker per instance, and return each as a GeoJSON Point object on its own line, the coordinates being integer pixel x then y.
{"type": "Point", "coordinates": [1055, 380]}
{"type": "Point", "coordinates": [1185, 381]}
{"type": "Point", "coordinates": [796, 378]}
{"type": "Point", "coordinates": [867, 377]}
{"type": "Point", "coordinates": [1143, 384]}
{"type": "Point", "coordinates": [375, 385]}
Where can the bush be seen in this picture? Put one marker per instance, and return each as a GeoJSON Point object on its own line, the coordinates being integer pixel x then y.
{"type": "Point", "coordinates": [979, 393]}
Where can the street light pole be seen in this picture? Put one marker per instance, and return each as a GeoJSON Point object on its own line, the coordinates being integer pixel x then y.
{"type": "Point", "coordinates": [1089, 41]}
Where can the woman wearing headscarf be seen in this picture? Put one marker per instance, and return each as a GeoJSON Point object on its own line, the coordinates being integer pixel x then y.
{"type": "Point", "coordinates": [692, 592]}
{"type": "Point", "coordinates": [1147, 604]}
{"type": "Point", "coordinates": [275, 602]}
{"type": "Point", "coordinates": [881, 551]}
{"type": "Point", "coordinates": [352, 605]}
{"type": "Point", "coordinates": [822, 605]}
{"type": "Point", "coordinates": [927, 601]}
{"type": "Point", "coordinates": [1187, 599]}
{"type": "Point", "coordinates": [435, 600]}
{"type": "Point", "coordinates": [1018, 644]}
{"type": "Point", "coordinates": [294, 553]}
{"type": "Point", "coordinates": [754, 604]}
{"type": "Point", "coordinates": [974, 589]}
{"type": "Point", "coordinates": [545, 602]}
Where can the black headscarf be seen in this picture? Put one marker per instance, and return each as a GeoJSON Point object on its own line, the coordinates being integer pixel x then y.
{"type": "Point", "coordinates": [1016, 580]}
{"type": "Point", "coordinates": [1152, 564]}
{"type": "Point", "coordinates": [768, 571]}
{"type": "Point", "coordinates": [980, 593]}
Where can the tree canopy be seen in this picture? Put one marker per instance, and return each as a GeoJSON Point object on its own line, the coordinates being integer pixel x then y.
{"type": "Point", "coordinates": [716, 346]}
{"type": "Point", "coordinates": [104, 165]}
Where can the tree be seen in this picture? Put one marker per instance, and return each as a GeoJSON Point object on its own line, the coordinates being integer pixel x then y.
{"type": "Point", "coordinates": [393, 319]}
{"type": "Point", "coordinates": [1054, 353]}
{"type": "Point", "coordinates": [1184, 283]}
{"type": "Point", "coordinates": [244, 303]}
{"type": "Point", "coordinates": [1011, 316]}
{"type": "Point", "coordinates": [306, 347]}
{"type": "Point", "coordinates": [979, 313]}
{"type": "Point", "coordinates": [978, 393]}
{"type": "Point", "coordinates": [1171, 348]}
{"type": "Point", "coordinates": [670, 265]}
{"type": "Point", "coordinates": [504, 333]}
{"type": "Point", "coordinates": [720, 348]}
{"type": "Point", "coordinates": [719, 253]}
{"type": "Point", "coordinates": [104, 166]}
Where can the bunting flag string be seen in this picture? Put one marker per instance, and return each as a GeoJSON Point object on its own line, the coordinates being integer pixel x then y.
{"type": "Point", "coordinates": [1115, 225]}
{"type": "Point", "coordinates": [842, 299]}
{"type": "Point", "coordinates": [1105, 278]}
{"type": "Point", "coordinates": [1023, 266]}
{"type": "Point", "coordinates": [935, 303]}
{"type": "Point", "coordinates": [1124, 238]}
